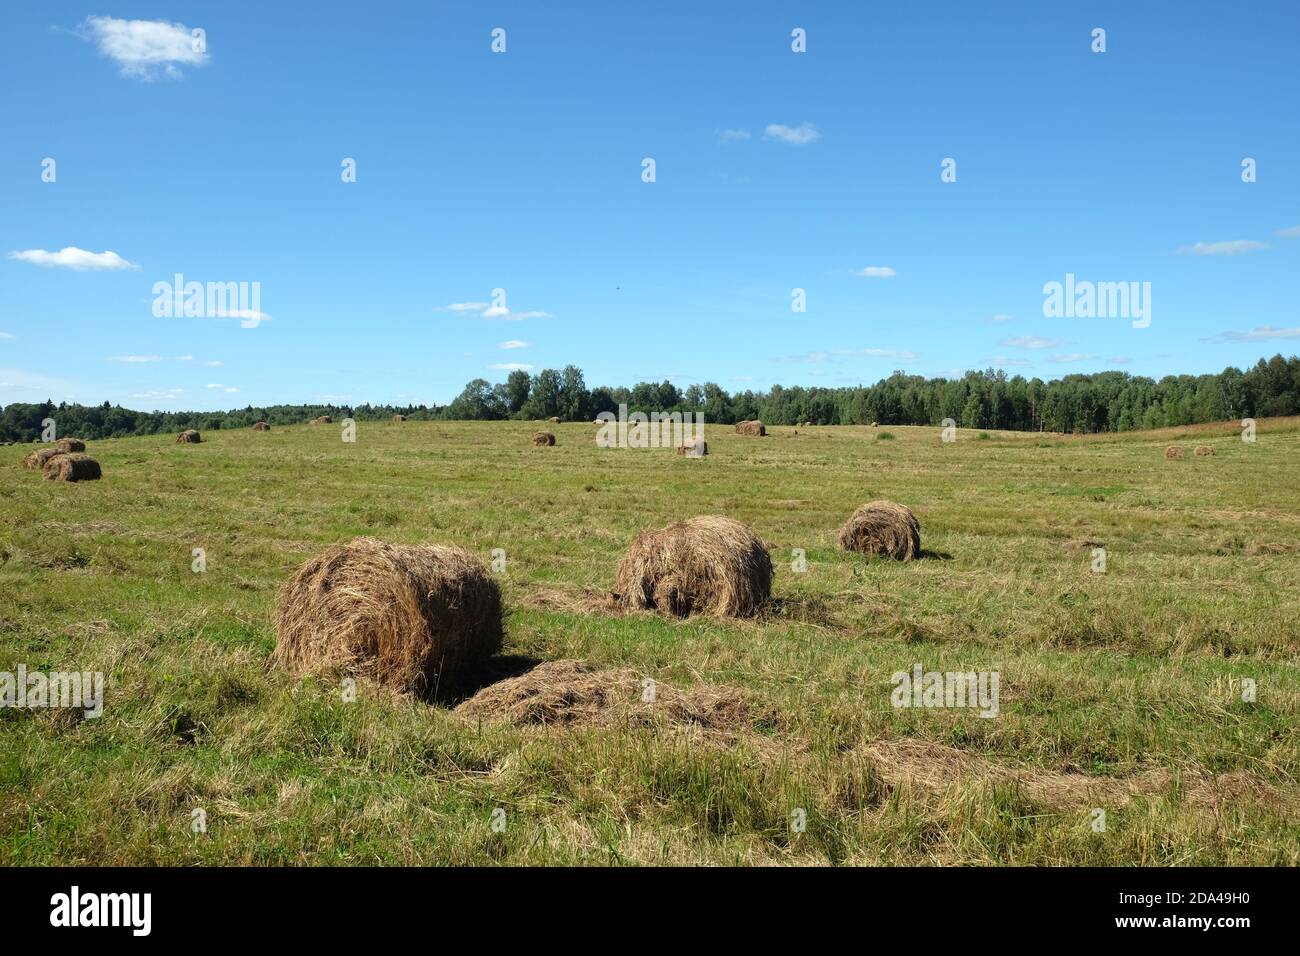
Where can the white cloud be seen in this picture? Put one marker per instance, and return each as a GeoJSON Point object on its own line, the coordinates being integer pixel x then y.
{"type": "Point", "coordinates": [1030, 342]}
{"type": "Point", "coordinates": [510, 366]}
{"type": "Point", "coordinates": [999, 318]}
{"type": "Point", "coordinates": [161, 394]}
{"type": "Point", "coordinates": [135, 359]}
{"type": "Point", "coordinates": [213, 364]}
{"type": "Point", "coordinates": [733, 135]}
{"type": "Point", "coordinates": [7, 335]}
{"type": "Point", "coordinates": [1234, 248]}
{"type": "Point", "coordinates": [1118, 360]}
{"type": "Point", "coordinates": [223, 388]}
{"type": "Point", "coordinates": [486, 311]}
{"type": "Point", "coordinates": [833, 354]}
{"type": "Point", "coordinates": [999, 360]}
{"type": "Point", "coordinates": [70, 257]}
{"type": "Point", "coordinates": [515, 344]}
{"type": "Point", "coordinates": [1260, 333]}
{"type": "Point", "coordinates": [877, 272]}
{"type": "Point", "coordinates": [1072, 357]}
{"type": "Point", "coordinates": [145, 48]}
{"type": "Point", "coordinates": [463, 307]}
{"type": "Point", "coordinates": [1291, 232]}
{"type": "Point", "coordinates": [185, 358]}
{"type": "Point", "coordinates": [800, 135]}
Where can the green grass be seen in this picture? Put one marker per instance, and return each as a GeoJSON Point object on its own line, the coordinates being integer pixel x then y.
{"type": "Point", "coordinates": [1111, 675]}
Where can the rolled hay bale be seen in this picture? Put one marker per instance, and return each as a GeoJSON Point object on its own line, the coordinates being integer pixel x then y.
{"type": "Point", "coordinates": [1175, 451]}
{"type": "Point", "coordinates": [884, 529]}
{"type": "Point", "coordinates": [261, 427]}
{"type": "Point", "coordinates": [754, 427]}
{"type": "Point", "coordinates": [188, 437]}
{"type": "Point", "coordinates": [1203, 450]}
{"type": "Point", "coordinates": [72, 466]}
{"type": "Point", "coordinates": [38, 458]}
{"type": "Point", "coordinates": [703, 565]}
{"type": "Point", "coordinates": [553, 420]}
{"type": "Point", "coordinates": [414, 619]}
{"type": "Point", "coordinates": [693, 448]}
{"type": "Point", "coordinates": [543, 438]}
{"type": "Point", "coordinates": [874, 425]}
{"type": "Point", "coordinates": [399, 418]}
{"type": "Point", "coordinates": [69, 445]}
{"type": "Point", "coordinates": [322, 420]}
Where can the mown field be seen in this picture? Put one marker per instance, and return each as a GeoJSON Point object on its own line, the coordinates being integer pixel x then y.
{"type": "Point", "coordinates": [1119, 691]}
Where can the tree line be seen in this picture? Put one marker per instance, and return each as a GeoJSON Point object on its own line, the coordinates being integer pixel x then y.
{"type": "Point", "coordinates": [1111, 401]}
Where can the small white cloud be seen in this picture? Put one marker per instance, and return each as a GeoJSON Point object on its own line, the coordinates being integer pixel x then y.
{"type": "Point", "coordinates": [213, 364]}
{"type": "Point", "coordinates": [70, 257]}
{"type": "Point", "coordinates": [999, 318]}
{"type": "Point", "coordinates": [7, 335]}
{"type": "Point", "coordinates": [1291, 232]}
{"type": "Point", "coordinates": [486, 311]}
{"type": "Point", "coordinates": [877, 272]}
{"type": "Point", "coordinates": [510, 366]}
{"type": "Point", "coordinates": [816, 358]}
{"type": "Point", "coordinates": [800, 135]}
{"type": "Point", "coordinates": [1072, 357]}
{"type": "Point", "coordinates": [135, 359]}
{"type": "Point", "coordinates": [514, 344]}
{"type": "Point", "coordinates": [185, 358]}
{"type": "Point", "coordinates": [733, 135]}
{"type": "Point", "coordinates": [145, 48]}
{"type": "Point", "coordinates": [1260, 333]}
{"type": "Point", "coordinates": [161, 394]}
{"type": "Point", "coordinates": [463, 307]}
{"type": "Point", "coordinates": [1000, 360]}
{"type": "Point", "coordinates": [1030, 342]}
{"type": "Point", "coordinates": [1234, 248]}
{"type": "Point", "coordinates": [1118, 360]}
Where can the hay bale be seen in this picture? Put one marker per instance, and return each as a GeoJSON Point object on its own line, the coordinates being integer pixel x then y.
{"type": "Point", "coordinates": [754, 427]}
{"type": "Point", "coordinates": [882, 528]}
{"type": "Point", "coordinates": [188, 437]}
{"type": "Point", "coordinates": [38, 458]}
{"type": "Point", "coordinates": [69, 445]}
{"type": "Point", "coordinates": [399, 418]}
{"type": "Point", "coordinates": [693, 448]}
{"type": "Point", "coordinates": [553, 420]}
{"type": "Point", "coordinates": [703, 565]}
{"type": "Point", "coordinates": [1174, 451]}
{"type": "Point", "coordinates": [414, 619]}
{"type": "Point", "coordinates": [322, 420]}
{"type": "Point", "coordinates": [1203, 450]}
{"type": "Point", "coordinates": [261, 427]}
{"type": "Point", "coordinates": [543, 438]}
{"type": "Point", "coordinates": [73, 466]}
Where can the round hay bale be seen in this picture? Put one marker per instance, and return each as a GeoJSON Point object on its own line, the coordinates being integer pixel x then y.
{"type": "Point", "coordinates": [754, 427]}
{"type": "Point", "coordinates": [322, 420]}
{"type": "Point", "coordinates": [543, 438]}
{"type": "Point", "coordinates": [69, 445]}
{"type": "Point", "coordinates": [884, 529]}
{"type": "Point", "coordinates": [410, 618]}
{"type": "Point", "coordinates": [188, 437]}
{"type": "Point", "coordinates": [703, 565]}
{"type": "Point", "coordinates": [38, 458]}
{"type": "Point", "coordinates": [399, 418]}
{"type": "Point", "coordinates": [1175, 451]}
{"type": "Point", "coordinates": [693, 448]}
{"type": "Point", "coordinates": [261, 427]}
{"type": "Point", "coordinates": [553, 420]}
{"type": "Point", "coordinates": [874, 425]}
{"type": "Point", "coordinates": [1203, 450]}
{"type": "Point", "coordinates": [73, 466]}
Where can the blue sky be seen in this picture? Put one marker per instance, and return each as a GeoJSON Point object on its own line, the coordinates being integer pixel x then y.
{"type": "Point", "coordinates": [522, 171]}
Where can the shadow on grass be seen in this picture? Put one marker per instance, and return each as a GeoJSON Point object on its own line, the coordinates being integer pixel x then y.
{"type": "Point", "coordinates": [497, 668]}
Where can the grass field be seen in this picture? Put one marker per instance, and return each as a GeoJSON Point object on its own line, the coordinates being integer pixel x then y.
{"type": "Point", "coordinates": [1120, 691]}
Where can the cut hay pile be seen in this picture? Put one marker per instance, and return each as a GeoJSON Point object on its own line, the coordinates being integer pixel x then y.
{"type": "Point", "coordinates": [188, 437]}
{"type": "Point", "coordinates": [414, 619]}
{"type": "Point", "coordinates": [754, 427]}
{"type": "Point", "coordinates": [574, 692]}
{"type": "Point", "coordinates": [703, 565]}
{"type": "Point", "coordinates": [1203, 450]}
{"type": "Point", "coordinates": [38, 458]}
{"type": "Point", "coordinates": [322, 420]}
{"type": "Point", "coordinates": [399, 418]}
{"type": "Point", "coordinates": [882, 528]}
{"type": "Point", "coordinates": [543, 438]}
{"type": "Point", "coordinates": [553, 420]}
{"type": "Point", "coordinates": [72, 467]}
{"type": "Point", "coordinates": [1174, 451]}
{"type": "Point", "coordinates": [694, 448]}
{"type": "Point", "coordinates": [261, 427]}
{"type": "Point", "coordinates": [69, 445]}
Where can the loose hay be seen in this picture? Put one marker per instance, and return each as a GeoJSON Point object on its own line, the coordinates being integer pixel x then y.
{"type": "Point", "coordinates": [414, 619]}
{"type": "Point", "coordinates": [188, 437]}
{"type": "Point", "coordinates": [543, 438]}
{"type": "Point", "coordinates": [695, 448]}
{"type": "Point", "coordinates": [261, 427]}
{"type": "Point", "coordinates": [69, 445]}
{"type": "Point", "coordinates": [1203, 450]}
{"type": "Point", "coordinates": [569, 692]}
{"type": "Point", "coordinates": [883, 528]}
{"type": "Point", "coordinates": [37, 459]}
{"type": "Point", "coordinates": [1174, 451]}
{"type": "Point", "coordinates": [399, 418]}
{"type": "Point", "coordinates": [72, 467]}
{"type": "Point", "coordinates": [754, 427]}
{"type": "Point", "coordinates": [322, 420]}
{"type": "Point", "coordinates": [703, 565]}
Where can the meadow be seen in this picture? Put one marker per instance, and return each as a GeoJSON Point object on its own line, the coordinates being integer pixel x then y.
{"type": "Point", "coordinates": [1121, 691]}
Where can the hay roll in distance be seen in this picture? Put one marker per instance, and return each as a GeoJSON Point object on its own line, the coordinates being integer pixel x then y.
{"type": "Point", "coordinates": [69, 445]}
{"type": "Point", "coordinates": [261, 427]}
{"type": "Point", "coordinates": [703, 565]}
{"type": "Point", "coordinates": [38, 458]}
{"type": "Point", "coordinates": [322, 420]}
{"type": "Point", "coordinates": [188, 437]}
{"type": "Point", "coordinates": [693, 448]}
{"type": "Point", "coordinates": [412, 618]}
{"type": "Point", "coordinates": [543, 438]}
{"type": "Point", "coordinates": [754, 427]}
{"type": "Point", "coordinates": [883, 529]}
{"type": "Point", "coordinates": [1175, 451]}
{"type": "Point", "coordinates": [399, 418]}
{"type": "Point", "coordinates": [74, 466]}
{"type": "Point", "coordinates": [1203, 451]}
